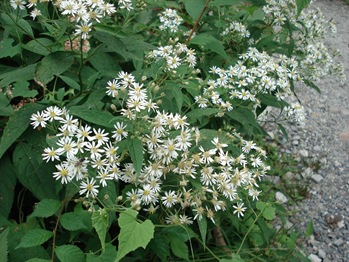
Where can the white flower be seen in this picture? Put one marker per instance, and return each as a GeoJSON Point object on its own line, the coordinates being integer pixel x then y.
{"type": "Point", "coordinates": [53, 113]}
{"type": "Point", "coordinates": [170, 198]}
{"type": "Point", "coordinates": [89, 188]}
{"type": "Point", "coordinates": [38, 119]}
{"type": "Point", "coordinates": [239, 209]}
{"type": "Point", "coordinates": [119, 132]}
{"type": "Point", "coordinates": [83, 29]}
{"type": "Point", "coordinates": [63, 174]}
{"type": "Point", "coordinates": [51, 154]}
{"type": "Point", "coordinates": [100, 136]}
{"type": "Point", "coordinates": [18, 4]}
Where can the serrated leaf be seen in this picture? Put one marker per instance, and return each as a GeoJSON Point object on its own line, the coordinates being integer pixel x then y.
{"type": "Point", "coordinates": [52, 65]}
{"type": "Point", "coordinates": [20, 24]}
{"type": "Point", "coordinates": [133, 234]}
{"type": "Point", "coordinates": [72, 221]}
{"type": "Point", "coordinates": [4, 244]}
{"type": "Point", "coordinates": [69, 253]}
{"type": "Point", "coordinates": [46, 208]}
{"type": "Point", "coordinates": [160, 247]}
{"type": "Point", "coordinates": [194, 8]}
{"type": "Point", "coordinates": [201, 112]}
{"type": "Point", "coordinates": [35, 237]}
{"type": "Point", "coordinates": [70, 82]}
{"type": "Point", "coordinates": [100, 220]}
{"type": "Point", "coordinates": [105, 64]}
{"type": "Point", "coordinates": [211, 43]}
{"type": "Point", "coordinates": [136, 152]}
{"type": "Point", "coordinates": [179, 248]}
{"type": "Point", "coordinates": [16, 125]}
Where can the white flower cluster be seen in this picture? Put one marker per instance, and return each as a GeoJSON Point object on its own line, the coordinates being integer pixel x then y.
{"type": "Point", "coordinates": [174, 55]}
{"type": "Point", "coordinates": [237, 27]}
{"type": "Point", "coordinates": [83, 12]}
{"type": "Point", "coordinates": [296, 113]}
{"type": "Point", "coordinates": [170, 20]}
{"type": "Point", "coordinates": [179, 174]}
{"type": "Point", "coordinates": [254, 73]}
{"type": "Point", "coordinates": [318, 60]}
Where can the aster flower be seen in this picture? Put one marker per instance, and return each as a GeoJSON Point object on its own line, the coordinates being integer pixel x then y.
{"type": "Point", "coordinates": [89, 188]}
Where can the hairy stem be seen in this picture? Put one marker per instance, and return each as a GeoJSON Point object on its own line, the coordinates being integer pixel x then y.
{"type": "Point", "coordinates": [55, 231]}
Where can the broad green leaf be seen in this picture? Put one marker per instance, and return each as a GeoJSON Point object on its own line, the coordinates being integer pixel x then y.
{"type": "Point", "coordinates": [269, 213]}
{"type": "Point", "coordinates": [34, 174]}
{"type": "Point", "coordinates": [136, 152]}
{"type": "Point", "coordinates": [7, 186]}
{"type": "Point", "coordinates": [16, 125]}
{"type": "Point", "coordinates": [224, 2]}
{"type": "Point", "coordinates": [160, 246]}
{"type": "Point", "coordinates": [35, 237]}
{"type": "Point", "coordinates": [4, 245]}
{"type": "Point", "coordinates": [100, 221]}
{"type": "Point", "coordinates": [69, 253]}
{"type": "Point", "coordinates": [301, 4]}
{"type": "Point", "coordinates": [234, 258]}
{"type": "Point", "coordinates": [312, 85]}
{"type": "Point", "coordinates": [21, 89]}
{"type": "Point", "coordinates": [202, 223]}
{"type": "Point", "coordinates": [20, 24]}
{"type": "Point", "coordinates": [41, 46]}
{"type": "Point", "coordinates": [52, 65]}
{"type": "Point", "coordinates": [5, 107]}
{"type": "Point", "coordinates": [72, 221]}
{"type": "Point", "coordinates": [70, 82]}
{"type": "Point", "coordinates": [179, 248]}
{"type": "Point", "coordinates": [105, 64]}
{"type": "Point", "coordinates": [38, 260]}
{"type": "Point", "coordinates": [17, 74]}
{"type": "Point", "coordinates": [6, 48]}
{"type": "Point", "coordinates": [201, 112]}
{"type": "Point", "coordinates": [133, 234]}
{"type": "Point", "coordinates": [46, 208]}
{"type": "Point", "coordinates": [194, 8]}
{"type": "Point", "coordinates": [109, 254]}
{"type": "Point", "coordinates": [95, 116]}
{"type": "Point", "coordinates": [211, 43]}
{"type": "Point", "coordinates": [271, 100]}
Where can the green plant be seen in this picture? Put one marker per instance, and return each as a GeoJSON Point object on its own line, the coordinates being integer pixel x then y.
{"type": "Point", "coordinates": [128, 127]}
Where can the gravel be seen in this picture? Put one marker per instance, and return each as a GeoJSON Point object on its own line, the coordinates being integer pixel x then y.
{"type": "Point", "coordinates": [324, 141]}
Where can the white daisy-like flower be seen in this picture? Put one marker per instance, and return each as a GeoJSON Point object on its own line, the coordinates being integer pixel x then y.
{"type": "Point", "coordinates": [89, 188]}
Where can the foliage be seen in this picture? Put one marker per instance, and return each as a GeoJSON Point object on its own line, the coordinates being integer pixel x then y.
{"type": "Point", "coordinates": [127, 128]}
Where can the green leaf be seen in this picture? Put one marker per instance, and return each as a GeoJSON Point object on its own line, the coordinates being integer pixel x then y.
{"type": "Point", "coordinates": [194, 8]}
{"type": "Point", "coordinates": [201, 112]}
{"type": "Point", "coordinates": [35, 237]}
{"type": "Point", "coordinates": [53, 64]}
{"type": "Point", "coordinates": [211, 43]}
{"type": "Point", "coordinates": [100, 220]}
{"type": "Point", "coordinates": [39, 46]}
{"type": "Point", "coordinates": [5, 107]}
{"type": "Point", "coordinates": [160, 246]}
{"type": "Point", "coordinates": [234, 258]}
{"type": "Point", "coordinates": [16, 125]}
{"type": "Point", "coordinates": [301, 4]}
{"type": "Point", "coordinates": [133, 234]}
{"type": "Point", "coordinates": [69, 253]}
{"type": "Point", "coordinates": [34, 174]}
{"type": "Point", "coordinates": [20, 24]}
{"type": "Point", "coordinates": [269, 213]}
{"type": "Point", "coordinates": [38, 260]}
{"type": "Point", "coordinates": [202, 223]}
{"type": "Point", "coordinates": [105, 64]}
{"type": "Point", "coordinates": [7, 186]}
{"type": "Point", "coordinates": [21, 89]}
{"type": "Point", "coordinates": [4, 244]}
{"type": "Point", "coordinates": [224, 2]}
{"type": "Point", "coordinates": [271, 100]}
{"type": "Point", "coordinates": [109, 254]}
{"type": "Point", "coordinates": [46, 208]}
{"type": "Point", "coordinates": [312, 85]}
{"type": "Point", "coordinates": [179, 248]}
{"type": "Point", "coordinates": [70, 82]}
{"type": "Point", "coordinates": [310, 229]}
{"type": "Point", "coordinates": [136, 152]}
{"type": "Point", "coordinates": [6, 48]}
{"type": "Point", "coordinates": [72, 221]}
{"type": "Point", "coordinates": [95, 116]}
{"type": "Point", "coordinates": [17, 74]}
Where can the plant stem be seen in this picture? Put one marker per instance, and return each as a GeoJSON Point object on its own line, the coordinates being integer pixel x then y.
{"type": "Point", "coordinates": [197, 22]}
{"type": "Point", "coordinates": [55, 231]}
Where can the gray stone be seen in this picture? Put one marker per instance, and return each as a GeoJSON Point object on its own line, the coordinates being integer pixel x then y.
{"type": "Point", "coordinates": [321, 253]}
{"type": "Point", "coordinates": [304, 153]}
{"type": "Point", "coordinates": [338, 242]}
{"type": "Point", "coordinates": [314, 258]}
{"type": "Point", "coordinates": [317, 178]}
{"type": "Point", "coordinates": [317, 148]}
{"type": "Point", "coordinates": [281, 197]}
